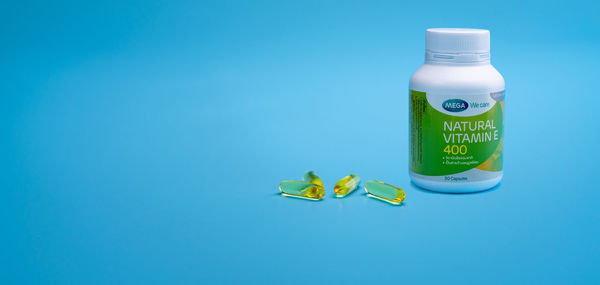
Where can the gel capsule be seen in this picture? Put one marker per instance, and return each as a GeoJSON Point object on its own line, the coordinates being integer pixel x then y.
{"type": "Point", "coordinates": [301, 189]}
{"type": "Point", "coordinates": [346, 185]}
{"type": "Point", "coordinates": [384, 192]}
{"type": "Point", "coordinates": [311, 177]}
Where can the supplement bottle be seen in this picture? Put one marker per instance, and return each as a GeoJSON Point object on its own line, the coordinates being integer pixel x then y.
{"type": "Point", "coordinates": [456, 114]}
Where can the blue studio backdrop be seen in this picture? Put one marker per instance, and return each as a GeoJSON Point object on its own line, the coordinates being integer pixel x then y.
{"type": "Point", "coordinates": [143, 142]}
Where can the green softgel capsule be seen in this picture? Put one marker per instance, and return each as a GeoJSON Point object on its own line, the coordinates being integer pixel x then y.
{"type": "Point", "coordinates": [346, 185]}
{"type": "Point", "coordinates": [385, 192]}
{"type": "Point", "coordinates": [301, 189]}
{"type": "Point", "coordinates": [311, 177]}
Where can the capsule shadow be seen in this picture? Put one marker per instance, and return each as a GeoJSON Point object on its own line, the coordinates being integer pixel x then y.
{"type": "Point", "coordinates": [386, 202]}
{"type": "Point", "coordinates": [298, 197]}
{"type": "Point", "coordinates": [347, 195]}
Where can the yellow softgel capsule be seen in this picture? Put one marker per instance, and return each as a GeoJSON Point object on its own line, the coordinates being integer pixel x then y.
{"type": "Point", "coordinates": [301, 189]}
{"type": "Point", "coordinates": [346, 185]}
{"type": "Point", "coordinates": [385, 192]}
{"type": "Point", "coordinates": [311, 177]}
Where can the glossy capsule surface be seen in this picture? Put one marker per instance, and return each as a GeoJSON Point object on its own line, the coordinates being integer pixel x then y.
{"type": "Point", "coordinates": [301, 189]}
{"type": "Point", "coordinates": [385, 192]}
{"type": "Point", "coordinates": [311, 177]}
{"type": "Point", "coordinates": [346, 185]}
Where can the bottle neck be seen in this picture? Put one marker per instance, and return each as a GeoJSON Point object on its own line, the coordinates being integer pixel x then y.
{"type": "Point", "coordinates": [457, 58]}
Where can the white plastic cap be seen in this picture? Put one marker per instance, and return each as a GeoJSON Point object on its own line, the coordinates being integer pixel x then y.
{"type": "Point", "coordinates": [452, 40]}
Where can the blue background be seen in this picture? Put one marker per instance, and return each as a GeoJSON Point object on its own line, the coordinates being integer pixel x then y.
{"type": "Point", "coordinates": [143, 142]}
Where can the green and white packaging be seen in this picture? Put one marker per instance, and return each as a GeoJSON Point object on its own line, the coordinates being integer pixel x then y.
{"type": "Point", "coordinates": [456, 114]}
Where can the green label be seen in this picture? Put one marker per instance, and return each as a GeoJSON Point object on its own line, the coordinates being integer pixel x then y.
{"type": "Point", "coordinates": [459, 135]}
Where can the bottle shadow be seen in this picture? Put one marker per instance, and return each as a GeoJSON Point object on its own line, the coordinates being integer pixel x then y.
{"type": "Point", "coordinates": [419, 188]}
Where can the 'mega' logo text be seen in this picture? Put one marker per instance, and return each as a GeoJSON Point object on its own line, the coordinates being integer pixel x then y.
{"type": "Point", "coordinates": [455, 105]}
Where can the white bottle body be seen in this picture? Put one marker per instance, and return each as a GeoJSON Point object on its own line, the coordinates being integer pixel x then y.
{"type": "Point", "coordinates": [442, 81]}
